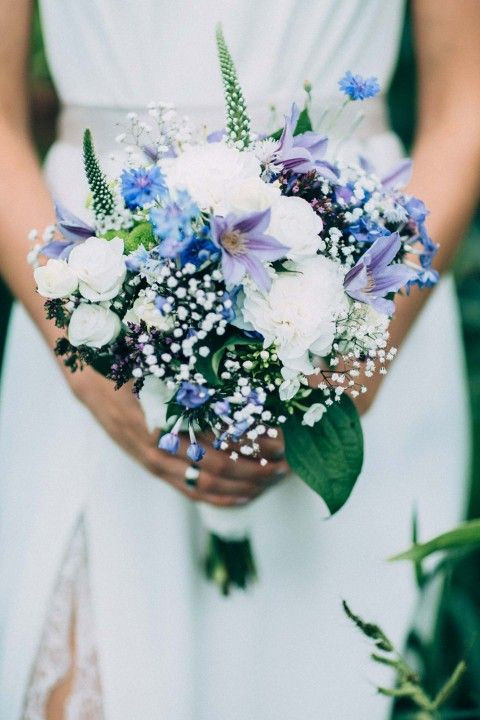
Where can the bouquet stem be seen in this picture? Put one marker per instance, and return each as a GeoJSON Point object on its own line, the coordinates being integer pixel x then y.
{"type": "Point", "coordinates": [230, 563]}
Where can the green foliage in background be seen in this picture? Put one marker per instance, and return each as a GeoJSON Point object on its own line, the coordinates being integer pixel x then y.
{"type": "Point", "coordinates": [456, 629]}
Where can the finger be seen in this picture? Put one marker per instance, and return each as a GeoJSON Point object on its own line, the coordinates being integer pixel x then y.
{"type": "Point", "coordinates": [271, 448]}
{"type": "Point", "coordinates": [219, 463]}
{"type": "Point", "coordinates": [172, 469]}
{"type": "Point", "coordinates": [214, 485]}
{"type": "Point", "coordinates": [219, 500]}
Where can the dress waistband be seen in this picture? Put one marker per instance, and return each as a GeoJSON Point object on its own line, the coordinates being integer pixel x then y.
{"type": "Point", "coordinates": [107, 122]}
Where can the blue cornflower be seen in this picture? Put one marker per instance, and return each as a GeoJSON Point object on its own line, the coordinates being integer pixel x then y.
{"type": "Point", "coordinates": [140, 186]}
{"type": "Point", "coordinates": [191, 395]}
{"type": "Point", "coordinates": [357, 87]}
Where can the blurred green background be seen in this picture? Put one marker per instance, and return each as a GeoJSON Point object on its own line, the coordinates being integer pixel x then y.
{"type": "Point", "coordinates": [457, 627]}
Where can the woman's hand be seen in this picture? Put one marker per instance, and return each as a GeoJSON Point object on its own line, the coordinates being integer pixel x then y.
{"type": "Point", "coordinates": [221, 482]}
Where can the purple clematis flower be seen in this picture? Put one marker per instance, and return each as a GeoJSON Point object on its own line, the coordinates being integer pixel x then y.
{"type": "Point", "coordinates": [372, 278]}
{"type": "Point", "coordinates": [303, 153]}
{"type": "Point", "coordinates": [245, 246]}
{"type": "Point", "coordinates": [397, 176]}
{"type": "Point", "coordinates": [74, 231]}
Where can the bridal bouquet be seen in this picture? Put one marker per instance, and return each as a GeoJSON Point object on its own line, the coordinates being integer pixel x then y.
{"type": "Point", "coordinates": [246, 284]}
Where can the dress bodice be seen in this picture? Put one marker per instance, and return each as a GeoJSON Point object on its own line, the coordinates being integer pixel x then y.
{"type": "Point", "coordinates": [126, 53]}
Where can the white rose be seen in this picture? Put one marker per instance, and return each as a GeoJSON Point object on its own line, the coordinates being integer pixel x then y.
{"type": "Point", "coordinates": [295, 224]}
{"type": "Point", "coordinates": [252, 195]}
{"type": "Point", "coordinates": [314, 413]}
{"type": "Point", "coordinates": [93, 325]}
{"type": "Point", "coordinates": [143, 309]}
{"type": "Point", "coordinates": [299, 312]}
{"type": "Point", "coordinates": [100, 267]}
{"type": "Point", "coordinates": [209, 173]}
{"type": "Point", "coordinates": [55, 279]}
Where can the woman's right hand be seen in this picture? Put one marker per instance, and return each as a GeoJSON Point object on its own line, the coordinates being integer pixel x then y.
{"type": "Point", "coordinates": [222, 482]}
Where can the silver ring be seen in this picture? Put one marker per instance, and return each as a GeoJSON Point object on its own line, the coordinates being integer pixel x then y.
{"type": "Point", "coordinates": [191, 476]}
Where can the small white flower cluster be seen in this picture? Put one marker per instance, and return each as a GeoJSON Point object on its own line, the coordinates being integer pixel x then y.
{"type": "Point", "coordinates": [165, 130]}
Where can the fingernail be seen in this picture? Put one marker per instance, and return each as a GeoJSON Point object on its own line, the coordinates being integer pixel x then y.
{"type": "Point", "coordinates": [280, 474]}
{"type": "Point", "coordinates": [278, 455]}
{"type": "Point", "coordinates": [242, 501]}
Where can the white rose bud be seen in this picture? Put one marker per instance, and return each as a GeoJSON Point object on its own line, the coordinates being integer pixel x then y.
{"type": "Point", "coordinates": [314, 413]}
{"type": "Point", "coordinates": [295, 224]}
{"type": "Point", "coordinates": [93, 325]}
{"type": "Point", "coordinates": [143, 309]}
{"type": "Point", "coordinates": [55, 279]}
{"type": "Point", "coordinates": [290, 385]}
{"type": "Point", "coordinates": [100, 267]}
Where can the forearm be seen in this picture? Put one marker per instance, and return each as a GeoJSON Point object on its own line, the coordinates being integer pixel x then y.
{"type": "Point", "coordinates": [446, 175]}
{"type": "Point", "coordinates": [24, 204]}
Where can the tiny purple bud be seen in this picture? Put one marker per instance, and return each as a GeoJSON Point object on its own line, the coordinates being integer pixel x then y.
{"type": "Point", "coordinates": [221, 407]}
{"type": "Point", "coordinates": [170, 442]}
{"type": "Point", "coordinates": [195, 452]}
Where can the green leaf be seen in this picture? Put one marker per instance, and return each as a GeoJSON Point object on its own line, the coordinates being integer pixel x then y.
{"type": "Point", "coordinates": [329, 455]}
{"type": "Point", "coordinates": [229, 343]}
{"type": "Point", "coordinates": [140, 235]}
{"type": "Point", "coordinates": [110, 234]}
{"type": "Point", "coordinates": [372, 631]}
{"type": "Point", "coordinates": [209, 366]}
{"type": "Point", "coordinates": [465, 536]}
{"type": "Point", "coordinates": [304, 124]}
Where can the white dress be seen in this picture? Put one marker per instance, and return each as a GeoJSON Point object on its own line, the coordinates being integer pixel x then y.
{"type": "Point", "coordinates": [167, 646]}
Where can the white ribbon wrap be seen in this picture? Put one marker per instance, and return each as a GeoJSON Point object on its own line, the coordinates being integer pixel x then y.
{"type": "Point", "coordinates": [227, 523]}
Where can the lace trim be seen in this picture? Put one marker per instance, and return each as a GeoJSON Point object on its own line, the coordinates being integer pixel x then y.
{"type": "Point", "coordinates": [70, 603]}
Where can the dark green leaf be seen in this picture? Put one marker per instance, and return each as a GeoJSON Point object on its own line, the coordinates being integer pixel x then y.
{"type": "Point", "coordinates": [231, 342]}
{"type": "Point", "coordinates": [304, 124]}
{"type": "Point", "coordinates": [329, 455]}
